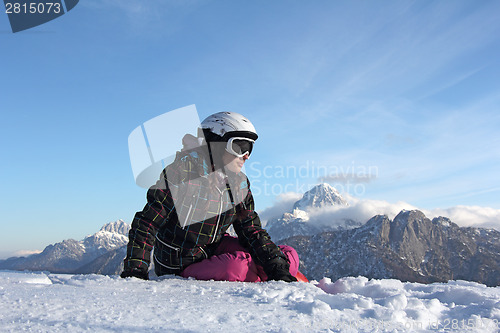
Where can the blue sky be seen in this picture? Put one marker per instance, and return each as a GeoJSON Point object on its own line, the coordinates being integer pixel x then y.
{"type": "Point", "coordinates": [389, 100]}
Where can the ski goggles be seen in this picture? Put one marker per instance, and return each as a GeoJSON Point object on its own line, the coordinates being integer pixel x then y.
{"type": "Point", "coordinates": [239, 146]}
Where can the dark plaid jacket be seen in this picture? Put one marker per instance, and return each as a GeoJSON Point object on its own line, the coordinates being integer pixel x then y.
{"type": "Point", "coordinates": [187, 213]}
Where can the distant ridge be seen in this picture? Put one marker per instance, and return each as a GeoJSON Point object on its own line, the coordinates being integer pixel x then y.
{"type": "Point", "coordinates": [69, 255]}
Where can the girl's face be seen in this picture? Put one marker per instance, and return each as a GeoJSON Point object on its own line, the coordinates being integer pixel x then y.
{"type": "Point", "coordinates": [233, 163]}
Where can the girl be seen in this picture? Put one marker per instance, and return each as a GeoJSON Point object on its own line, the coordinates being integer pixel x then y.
{"type": "Point", "coordinates": [197, 198]}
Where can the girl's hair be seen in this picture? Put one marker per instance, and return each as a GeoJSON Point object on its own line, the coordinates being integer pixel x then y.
{"type": "Point", "coordinates": [216, 150]}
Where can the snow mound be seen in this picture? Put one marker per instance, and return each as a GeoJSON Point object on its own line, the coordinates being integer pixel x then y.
{"type": "Point", "coordinates": [15, 278]}
{"type": "Point", "coordinates": [74, 303]}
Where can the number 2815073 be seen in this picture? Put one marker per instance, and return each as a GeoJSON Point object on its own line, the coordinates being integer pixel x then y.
{"type": "Point", "coordinates": [33, 8]}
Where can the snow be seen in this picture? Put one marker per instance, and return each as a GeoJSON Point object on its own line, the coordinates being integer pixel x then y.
{"type": "Point", "coordinates": [45, 302]}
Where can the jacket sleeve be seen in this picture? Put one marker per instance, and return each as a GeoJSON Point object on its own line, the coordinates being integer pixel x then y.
{"type": "Point", "coordinates": [252, 236]}
{"type": "Point", "coordinates": [145, 225]}
{"type": "Point", "coordinates": [158, 211]}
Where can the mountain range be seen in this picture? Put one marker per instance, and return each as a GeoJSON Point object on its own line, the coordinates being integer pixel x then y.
{"type": "Point", "coordinates": [410, 247]}
{"type": "Point", "coordinates": [70, 256]}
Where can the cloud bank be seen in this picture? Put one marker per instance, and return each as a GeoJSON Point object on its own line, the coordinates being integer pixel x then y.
{"type": "Point", "coordinates": [469, 216]}
{"type": "Point", "coordinates": [358, 210]}
{"type": "Point", "coordinates": [284, 203]}
{"type": "Point", "coordinates": [361, 210]}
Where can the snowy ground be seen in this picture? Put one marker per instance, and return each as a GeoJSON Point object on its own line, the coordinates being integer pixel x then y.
{"type": "Point", "coordinates": [43, 302]}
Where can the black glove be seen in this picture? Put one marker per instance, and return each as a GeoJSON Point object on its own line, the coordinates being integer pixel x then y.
{"type": "Point", "coordinates": [135, 273]}
{"type": "Point", "coordinates": [278, 271]}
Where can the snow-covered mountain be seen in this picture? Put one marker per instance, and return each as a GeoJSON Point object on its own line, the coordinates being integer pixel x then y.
{"type": "Point", "coordinates": [69, 255]}
{"type": "Point", "coordinates": [296, 222]}
{"type": "Point", "coordinates": [110, 236]}
{"type": "Point", "coordinates": [321, 195]}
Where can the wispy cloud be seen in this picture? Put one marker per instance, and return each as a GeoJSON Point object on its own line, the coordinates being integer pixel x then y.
{"type": "Point", "coordinates": [129, 8]}
{"type": "Point", "coordinates": [410, 50]}
{"type": "Point", "coordinates": [25, 253]}
{"type": "Point", "coordinates": [164, 17]}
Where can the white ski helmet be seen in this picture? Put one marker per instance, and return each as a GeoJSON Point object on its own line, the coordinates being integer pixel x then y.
{"type": "Point", "coordinates": [222, 126]}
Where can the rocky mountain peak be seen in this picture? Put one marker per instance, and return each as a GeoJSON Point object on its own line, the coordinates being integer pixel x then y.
{"type": "Point", "coordinates": [406, 216]}
{"type": "Point", "coordinates": [297, 222]}
{"type": "Point", "coordinates": [117, 227]}
{"type": "Point", "coordinates": [320, 196]}
{"type": "Point", "coordinates": [111, 235]}
{"type": "Point", "coordinates": [444, 221]}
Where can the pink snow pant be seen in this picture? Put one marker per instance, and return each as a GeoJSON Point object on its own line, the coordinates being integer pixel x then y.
{"type": "Point", "coordinates": [232, 262]}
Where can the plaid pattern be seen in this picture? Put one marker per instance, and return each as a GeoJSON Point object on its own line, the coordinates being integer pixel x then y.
{"type": "Point", "coordinates": [185, 219]}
